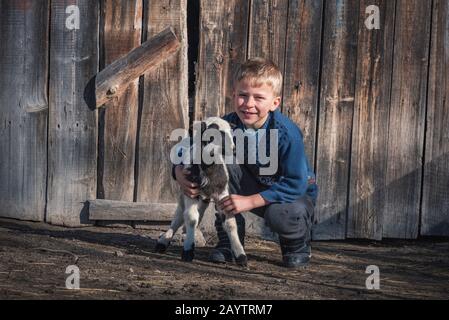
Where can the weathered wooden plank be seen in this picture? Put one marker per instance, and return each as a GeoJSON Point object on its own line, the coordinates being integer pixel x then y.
{"type": "Point", "coordinates": [118, 133]}
{"type": "Point", "coordinates": [435, 207]}
{"type": "Point", "coordinates": [73, 137]}
{"type": "Point", "coordinates": [165, 106]}
{"type": "Point", "coordinates": [302, 65]}
{"type": "Point", "coordinates": [23, 108]}
{"type": "Point", "coordinates": [370, 129]}
{"type": "Point", "coordinates": [100, 209]}
{"type": "Point", "coordinates": [223, 41]}
{"type": "Point", "coordinates": [268, 29]}
{"type": "Point", "coordinates": [115, 78]}
{"type": "Point", "coordinates": [335, 119]}
{"type": "Point", "coordinates": [407, 119]}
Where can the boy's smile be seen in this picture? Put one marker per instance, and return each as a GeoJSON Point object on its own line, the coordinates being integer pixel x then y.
{"type": "Point", "coordinates": [253, 103]}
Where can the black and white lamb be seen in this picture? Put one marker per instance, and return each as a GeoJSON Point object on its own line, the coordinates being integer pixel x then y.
{"type": "Point", "coordinates": [213, 182]}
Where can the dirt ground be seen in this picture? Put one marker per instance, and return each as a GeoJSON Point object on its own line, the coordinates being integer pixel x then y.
{"type": "Point", "coordinates": [119, 263]}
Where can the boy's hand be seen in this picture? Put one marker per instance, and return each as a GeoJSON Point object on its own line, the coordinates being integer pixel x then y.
{"type": "Point", "coordinates": [189, 188]}
{"type": "Point", "coordinates": [235, 204]}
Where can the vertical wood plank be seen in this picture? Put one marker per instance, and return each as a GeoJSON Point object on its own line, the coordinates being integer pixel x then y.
{"type": "Point", "coordinates": [435, 207]}
{"type": "Point", "coordinates": [268, 29]}
{"type": "Point", "coordinates": [335, 119]}
{"type": "Point", "coordinates": [165, 106]}
{"type": "Point", "coordinates": [407, 119]}
{"type": "Point", "coordinates": [302, 65]}
{"type": "Point", "coordinates": [73, 136]}
{"type": "Point", "coordinates": [122, 33]}
{"type": "Point", "coordinates": [370, 130]}
{"type": "Point", "coordinates": [23, 108]}
{"type": "Point", "coordinates": [223, 43]}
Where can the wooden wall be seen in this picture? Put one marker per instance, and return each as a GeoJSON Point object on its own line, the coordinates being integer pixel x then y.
{"type": "Point", "coordinates": [372, 104]}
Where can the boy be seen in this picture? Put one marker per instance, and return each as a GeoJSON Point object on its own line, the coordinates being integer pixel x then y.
{"type": "Point", "coordinates": [286, 200]}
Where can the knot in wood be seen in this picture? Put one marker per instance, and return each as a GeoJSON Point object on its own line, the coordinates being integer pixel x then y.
{"type": "Point", "coordinates": [112, 91]}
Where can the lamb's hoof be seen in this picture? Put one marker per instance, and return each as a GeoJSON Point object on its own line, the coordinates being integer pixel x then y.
{"type": "Point", "coordinates": [160, 248]}
{"type": "Point", "coordinates": [188, 255]}
{"type": "Point", "coordinates": [242, 260]}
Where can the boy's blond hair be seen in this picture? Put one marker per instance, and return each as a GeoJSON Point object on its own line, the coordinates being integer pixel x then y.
{"type": "Point", "coordinates": [259, 71]}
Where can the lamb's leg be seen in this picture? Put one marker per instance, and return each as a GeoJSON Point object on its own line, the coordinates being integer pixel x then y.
{"type": "Point", "coordinates": [164, 241]}
{"type": "Point", "coordinates": [202, 206]}
{"type": "Point", "coordinates": [191, 218]}
{"type": "Point", "coordinates": [230, 226]}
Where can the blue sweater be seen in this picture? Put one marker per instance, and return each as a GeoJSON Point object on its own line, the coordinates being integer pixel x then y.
{"type": "Point", "coordinates": [294, 177]}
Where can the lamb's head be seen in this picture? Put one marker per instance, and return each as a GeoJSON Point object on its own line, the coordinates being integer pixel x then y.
{"type": "Point", "coordinates": [216, 144]}
{"type": "Point", "coordinates": [218, 136]}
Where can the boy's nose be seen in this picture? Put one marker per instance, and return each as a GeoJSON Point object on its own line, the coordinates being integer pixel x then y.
{"type": "Point", "coordinates": [250, 102]}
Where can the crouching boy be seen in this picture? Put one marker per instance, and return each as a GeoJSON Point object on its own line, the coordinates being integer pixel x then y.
{"type": "Point", "coordinates": [285, 198]}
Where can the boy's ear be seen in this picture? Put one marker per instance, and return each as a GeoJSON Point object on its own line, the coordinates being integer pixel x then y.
{"type": "Point", "coordinates": [276, 103]}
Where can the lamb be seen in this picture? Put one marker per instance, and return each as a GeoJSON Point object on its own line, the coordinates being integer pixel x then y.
{"type": "Point", "coordinates": [213, 182]}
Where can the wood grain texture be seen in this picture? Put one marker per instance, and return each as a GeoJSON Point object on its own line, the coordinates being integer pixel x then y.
{"type": "Point", "coordinates": [336, 113]}
{"type": "Point", "coordinates": [165, 106]}
{"type": "Point", "coordinates": [302, 65]}
{"type": "Point", "coordinates": [117, 147]}
{"type": "Point", "coordinates": [407, 119]}
{"type": "Point", "coordinates": [23, 108]}
{"type": "Point", "coordinates": [435, 206]}
{"type": "Point", "coordinates": [268, 29]}
{"type": "Point", "coordinates": [130, 211]}
{"type": "Point", "coordinates": [72, 164]}
{"type": "Point", "coordinates": [367, 195]}
{"type": "Point", "coordinates": [223, 42]}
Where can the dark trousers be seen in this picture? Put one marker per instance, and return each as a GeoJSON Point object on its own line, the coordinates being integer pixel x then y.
{"type": "Point", "coordinates": [291, 221]}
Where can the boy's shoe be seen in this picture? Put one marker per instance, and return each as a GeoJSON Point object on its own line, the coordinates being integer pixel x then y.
{"type": "Point", "coordinates": [222, 252]}
{"type": "Point", "coordinates": [295, 253]}
{"type": "Point", "coordinates": [296, 260]}
{"type": "Point", "coordinates": [221, 255]}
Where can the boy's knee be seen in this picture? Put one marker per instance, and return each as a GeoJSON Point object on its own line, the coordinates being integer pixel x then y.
{"type": "Point", "coordinates": [290, 220]}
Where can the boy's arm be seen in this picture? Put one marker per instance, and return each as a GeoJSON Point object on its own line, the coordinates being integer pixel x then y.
{"type": "Point", "coordinates": [294, 180]}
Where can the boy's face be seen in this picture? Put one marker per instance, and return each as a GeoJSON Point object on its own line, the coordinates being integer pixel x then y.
{"type": "Point", "coordinates": [253, 104]}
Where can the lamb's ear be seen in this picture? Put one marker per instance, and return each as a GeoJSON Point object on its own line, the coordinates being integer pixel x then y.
{"type": "Point", "coordinates": [191, 135]}
{"type": "Point", "coordinates": [203, 127]}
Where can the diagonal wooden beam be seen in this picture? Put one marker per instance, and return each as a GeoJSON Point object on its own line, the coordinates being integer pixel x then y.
{"type": "Point", "coordinates": [115, 78]}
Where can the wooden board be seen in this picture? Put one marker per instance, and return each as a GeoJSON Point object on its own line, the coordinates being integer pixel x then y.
{"type": "Point", "coordinates": [367, 194]}
{"type": "Point", "coordinates": [267, 30]}
{"type": "Point", "coordinates": [335, 120]}
{"type": "Point", "coordinates": [23, 108]}
{"type": "Point", "coordinates": [110, 210]}
{"type": "Point", "coordinates": [165, 106]}
{"type": "Point", "coordinates": [72, 164]}
{"type": "Point", "coordinates": [435, 207]}
{"type": "Point", "coordinates": [223, 41]}
{"type": "Point", "coordinates": [122, 25]}
{"type": "Point", "coordinates": [302, 65]}
{"type": "Point", "coordinates": [407, 119]}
